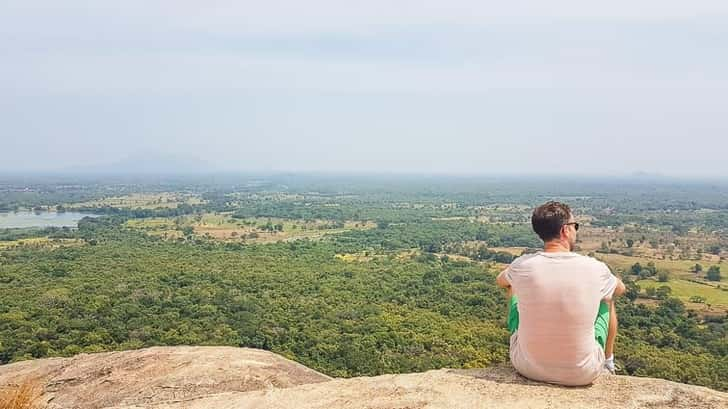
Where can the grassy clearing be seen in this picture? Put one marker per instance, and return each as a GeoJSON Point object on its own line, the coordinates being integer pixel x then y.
{"type": "Point", "coordinates": [715, 293]}
{"type": "Point", "coordinates": [650, 242]}
{"type": "Point", "coordinates": [221, 226]}
{"type": "Point", "coordinates": [516, 251]}
{"type": "Point", "coordinates": [355, 257]}
{"type": "Point", "coordinates": [41, 242]}
{"type": "Point", "coordinates": [405, 255]}
{"type": "Point", "coordinates": [676, 268]}
{"type": "Point", "coordinates": [145, 201]}
{"type": "Point", "coordinates": [682, 289]}
{"type": "Point", "coordinates": [716, 299]}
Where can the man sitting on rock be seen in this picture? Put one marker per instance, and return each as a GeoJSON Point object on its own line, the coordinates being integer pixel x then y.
{"type": "Point", "coordinates": [561, 310]}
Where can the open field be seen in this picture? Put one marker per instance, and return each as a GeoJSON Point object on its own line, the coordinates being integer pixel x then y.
{"type": "Point", "coordinates": [676, 268]}
{"type": "Point", "coordinates": [716, 299]}
{"type": "Point", "coordinates": [44, 242]}
{"type": "Point", "coordinates": [221, 226]}
{"type": "Point", "coordinates": [362, 257]}
{"type": "Point", "coordinates": [648, 242]}
{"type": "Point", "coordinates": [413, 254]}
{"type": "Point", "coordinates": [366, 256]}
{"type": "Point", "coordinates": [683, 282]}
{"type": "Point", "coordinates": [516, 251]}
{"type": "Point", "coordinates": [684, 290]}
{"type": "Point", "coordinates": [618, 262]}
{"type": "Point", "coordinates": [167, 200]}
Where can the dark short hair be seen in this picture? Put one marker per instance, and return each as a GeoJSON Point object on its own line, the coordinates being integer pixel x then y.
{"type": "Point", "coordinates": [548, 219]}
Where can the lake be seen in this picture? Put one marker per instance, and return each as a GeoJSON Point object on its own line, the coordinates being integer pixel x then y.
{"type": "Point", "coordinates": [23, 219]}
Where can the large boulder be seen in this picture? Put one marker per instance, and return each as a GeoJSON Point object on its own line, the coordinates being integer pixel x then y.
{"type": "Point", "coordinates": [148, 376]}
{"type": "Point", "coordinates": [221, 377]}
{"type": "Point", "coordinates": [465, 389]}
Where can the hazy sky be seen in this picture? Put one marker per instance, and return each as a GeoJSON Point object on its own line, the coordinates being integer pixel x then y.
{"type": "Point", "coordinates": [439, 86]}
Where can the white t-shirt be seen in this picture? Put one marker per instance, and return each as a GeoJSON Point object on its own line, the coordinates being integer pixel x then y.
{"type": "Point", "coordinates": [558, 300]}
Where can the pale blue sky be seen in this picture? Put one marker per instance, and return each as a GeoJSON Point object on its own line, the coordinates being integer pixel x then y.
{"type": "Point", "coordinates": [436, 86]}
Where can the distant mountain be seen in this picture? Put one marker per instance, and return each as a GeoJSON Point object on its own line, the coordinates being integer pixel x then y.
{"type": "Point", "coordinates": [648, 175]}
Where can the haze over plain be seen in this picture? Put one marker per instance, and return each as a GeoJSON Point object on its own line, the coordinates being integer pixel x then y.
{"type": "Point", "coordinates": [456, 87]}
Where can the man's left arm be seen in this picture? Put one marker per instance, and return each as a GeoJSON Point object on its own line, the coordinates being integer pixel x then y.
{"type": "Point", "coordinates": [612, 286]}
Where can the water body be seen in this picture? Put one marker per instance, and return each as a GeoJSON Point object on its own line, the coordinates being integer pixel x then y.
{"type": "Point", "coordinates": [24, 219]}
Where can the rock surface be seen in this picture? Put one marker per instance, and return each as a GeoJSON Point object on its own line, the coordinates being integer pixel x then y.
{"type": "Point", "coordinates": [152, 375]}
{"type": "Point", "coordinates": [221, 377]}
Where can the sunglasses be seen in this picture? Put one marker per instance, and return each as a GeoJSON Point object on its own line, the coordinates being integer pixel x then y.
{"type": "Point", "coordinates": [576, 225]}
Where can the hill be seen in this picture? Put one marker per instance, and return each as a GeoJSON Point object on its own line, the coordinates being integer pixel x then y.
{"type": "Point", "coordinates": [226, 377]}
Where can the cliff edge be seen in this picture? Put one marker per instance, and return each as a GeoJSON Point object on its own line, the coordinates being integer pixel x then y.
{"type": "Point", "coordinates": [226, 377]}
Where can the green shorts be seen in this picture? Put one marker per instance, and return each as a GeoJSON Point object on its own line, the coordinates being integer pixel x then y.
{"type": "Point", "coordinates": [601, 324]}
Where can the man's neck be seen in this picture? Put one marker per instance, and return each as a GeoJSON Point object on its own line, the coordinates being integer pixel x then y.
{"type": "Point", "coordinates": [555, 247]}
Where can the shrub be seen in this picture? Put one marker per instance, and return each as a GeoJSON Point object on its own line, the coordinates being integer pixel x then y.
{"type": "Point", "coordinates": [713, 273]}
{"type": "Point", "coordinates": [23, 396]}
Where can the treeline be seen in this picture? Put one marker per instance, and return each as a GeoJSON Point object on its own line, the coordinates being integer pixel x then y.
{"type": "Point", "coordinates": [668, 342]}
{"type": "Point", "coordinates": [26, 233]}
{"type": "Point", "coordinates": [181, 209]}
{"type": "Point", "coordinates": [435, 236]}
{"type": "Point", "coordinates": [386, 315]}
{"type": "Point", "coordinates": [676, 222]}
{"type": "Point", "coordinates": [629, 196]}
{"type": "Point", "coordinates": [344, 318]}
{"type": "Point", "coordinates": [344, 210]}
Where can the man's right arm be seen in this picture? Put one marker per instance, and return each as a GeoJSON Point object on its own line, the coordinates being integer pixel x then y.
{"type": "Point", "coordinates": [502, 281]}
{"type": "Point", "coordinates": [620, 289]}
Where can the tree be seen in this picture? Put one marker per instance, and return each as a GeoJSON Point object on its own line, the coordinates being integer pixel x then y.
{"type": "Point", "coordinates": [648, 271]}
{"type": "Point", "coordinates": [671, 306]}
{"type": "Point", "coordinates": [503, 257]}
{"type": "Point", "coordinates": [663, 291]}
{"type": "Point", "coordinates": [697, 268]}
{"type": "Point", "coordinates": [663, 276]}
{"type": "Point", "coordinates": [714, 249]}
{"type": "Point", "coordinates": [633, 290]}
{"type": "Point", "coordinates": [433, 247]}
{"type": "Point", "coordinates": [482, 234]}
{"type": "Point", "coordinates": [636, 268]}
{"type": "Point", "coordinates": [483, 253]}
{"type": "Point", "coordinates": [630, 243]}
{"type": "Point", "coordinates": [713, 273]}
